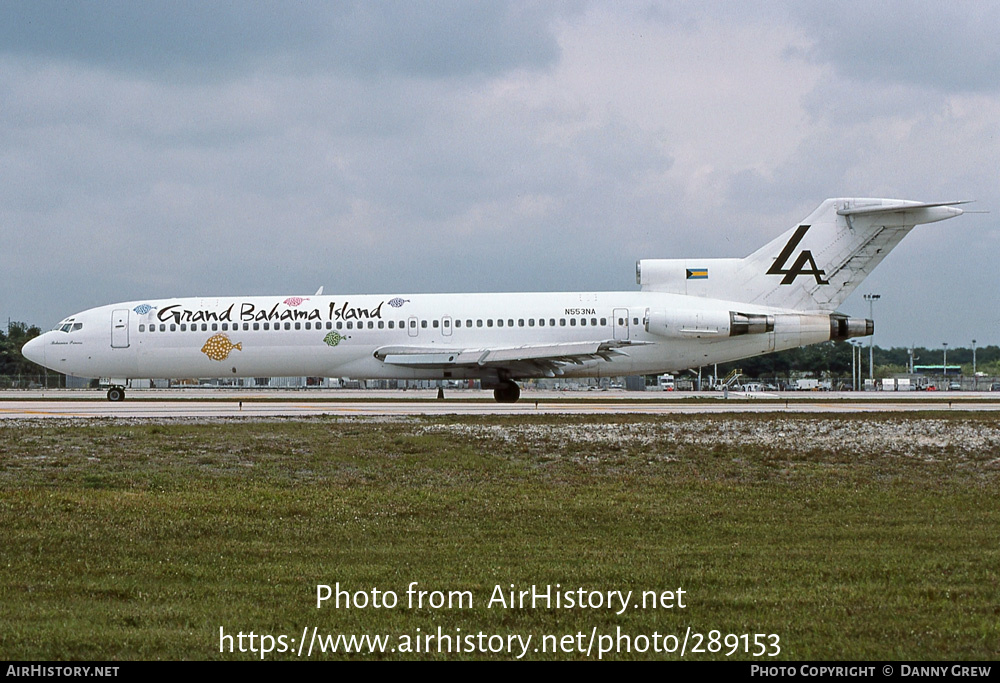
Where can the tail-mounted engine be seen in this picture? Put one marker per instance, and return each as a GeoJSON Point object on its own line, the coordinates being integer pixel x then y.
{"type": "Point", "coordinates": [697, 324]}
{"type": "Point", "coordinates": [842, 327]}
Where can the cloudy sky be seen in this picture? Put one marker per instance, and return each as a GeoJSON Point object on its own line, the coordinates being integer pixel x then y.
{"type": "Point", "coordinates": [182, 148]}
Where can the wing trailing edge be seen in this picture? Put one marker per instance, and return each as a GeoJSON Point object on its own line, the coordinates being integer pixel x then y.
{"type": "Point", "coordinates": [548, 358]}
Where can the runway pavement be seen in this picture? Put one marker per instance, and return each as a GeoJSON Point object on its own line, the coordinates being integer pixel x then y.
{"type": "Point", "coordinates": [202, 404]}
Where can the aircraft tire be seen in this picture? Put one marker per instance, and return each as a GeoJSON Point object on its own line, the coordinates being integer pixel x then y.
{"type": "Point", "coordinates": [507, 392]}
{"type": "Point", "coordinates": [116, 394]}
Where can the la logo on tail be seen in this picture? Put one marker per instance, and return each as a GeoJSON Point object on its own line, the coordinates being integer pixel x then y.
{"type": "Point", "coordinates": [799, 267]}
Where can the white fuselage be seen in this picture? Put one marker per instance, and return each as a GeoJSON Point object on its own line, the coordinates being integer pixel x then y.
{"type": "Point", "coordinates": [338, 336]}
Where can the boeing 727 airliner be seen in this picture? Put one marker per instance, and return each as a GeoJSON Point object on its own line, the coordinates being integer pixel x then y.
{"type": "Point", "coordinates": [687, 313]}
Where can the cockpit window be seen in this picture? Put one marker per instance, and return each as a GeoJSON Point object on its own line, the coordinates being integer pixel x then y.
{"type": "Point", "coordinates": [69, 326]}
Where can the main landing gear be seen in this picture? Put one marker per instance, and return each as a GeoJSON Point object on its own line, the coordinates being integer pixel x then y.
{"type": "Point", "coordinates": [116, 394]}
{"type": "Point", "coordinates": [507, 392]}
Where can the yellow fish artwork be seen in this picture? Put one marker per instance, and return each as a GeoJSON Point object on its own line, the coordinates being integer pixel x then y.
{"type": "Point", "coordinates": [219, 346]}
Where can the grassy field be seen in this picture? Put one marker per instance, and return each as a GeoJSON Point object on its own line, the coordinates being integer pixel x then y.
{"type": "Point", "coordinates": [868, 536]}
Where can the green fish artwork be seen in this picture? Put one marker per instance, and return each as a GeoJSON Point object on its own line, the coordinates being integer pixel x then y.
{"type": "Point", "coordinates": [333, 338]}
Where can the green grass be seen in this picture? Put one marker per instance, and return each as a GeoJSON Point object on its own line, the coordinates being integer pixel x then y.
{"type": "Point", "coordinates": [139, 540]}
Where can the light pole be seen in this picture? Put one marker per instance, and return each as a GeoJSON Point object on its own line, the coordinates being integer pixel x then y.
{"type": "Point", "coordinates": [945, 365]}
{"type": "Point", "coordinates": [854, 379]}
{"type": "Point", "coordinates": [854, 366]}
{"type": "Point", "coordinates": [858, 350]}
{"type": "Point", "coordinates": [871, 299]}
{"type": "Point", "coordinates": [974, 382]}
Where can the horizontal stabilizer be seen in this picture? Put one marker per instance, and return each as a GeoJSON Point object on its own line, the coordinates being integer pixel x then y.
{"type": "Point", "coordinates": [896, 208]}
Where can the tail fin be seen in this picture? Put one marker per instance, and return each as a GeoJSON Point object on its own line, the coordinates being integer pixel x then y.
{"type": "Point", "coordinates": [812, 267]}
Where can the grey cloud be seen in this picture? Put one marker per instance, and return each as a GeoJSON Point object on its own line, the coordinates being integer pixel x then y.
{"type": "Point", "coordinates": [211, 40]}
{"type": "Point", "coordinates": [940, 46]}
{"type": "Point", "coordinates": [948, 47]}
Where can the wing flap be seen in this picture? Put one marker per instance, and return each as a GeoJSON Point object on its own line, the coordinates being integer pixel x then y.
{"type": "Point", "coordinates": [547, 356]}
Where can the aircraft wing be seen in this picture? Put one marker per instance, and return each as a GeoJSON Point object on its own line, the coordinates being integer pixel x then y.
{"type": "Point", "coordinates": [526, 359]}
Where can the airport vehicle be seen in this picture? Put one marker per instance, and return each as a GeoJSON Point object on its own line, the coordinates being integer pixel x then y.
{"type": "Point", "coordinates": [687, 313]}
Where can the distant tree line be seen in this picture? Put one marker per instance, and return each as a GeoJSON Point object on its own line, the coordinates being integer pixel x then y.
{"type": "Point", "coordinates": [11, 340]}
{"type": "Point", "coordinates": [833, 359]}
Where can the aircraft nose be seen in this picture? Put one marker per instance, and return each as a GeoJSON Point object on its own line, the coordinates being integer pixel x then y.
{"type": "Point", "coordinates": [34, 350]}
